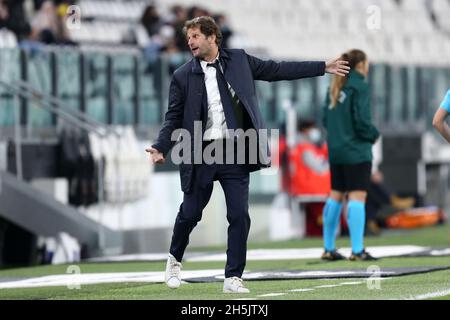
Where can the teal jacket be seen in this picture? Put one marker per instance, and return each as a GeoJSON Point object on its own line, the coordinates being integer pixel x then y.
{"type": "Point", "coordinates": [351, 133]}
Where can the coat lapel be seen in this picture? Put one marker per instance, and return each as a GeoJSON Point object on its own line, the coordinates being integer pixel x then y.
{"type": "Point", "coordinates": [198, 89]}
{"type": "Point", "coordinates": [231, 75]}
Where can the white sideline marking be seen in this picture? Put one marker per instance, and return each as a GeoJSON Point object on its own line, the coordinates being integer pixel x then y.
{"type": "Point", "coordinates": [281, 274]}
{"type": "Point", "coordinates": [350, 283]}
{"type": "Point", "coordinates": [330, 286]}
{"type": "Point", "coordinates": [132, 257]}
{"type": "Point", "coordinates": [312, 253]}
{"type": "Point", "coordinates": [327, 286]}
{"type": "Point", "coordinates": [272, 294]}
{"type": "Point", "coordinates": [268, 254]}
{"type": "Point", "coordinates": [440, 252]}
{"type": "Point", "coordinates": [149, 277]}
{"type": "Point", "coordinates": [95, 278]}
{"type": "Point", "coordinates": [300, 290]}
{"type": "Point", "coordinates": [432, 295]}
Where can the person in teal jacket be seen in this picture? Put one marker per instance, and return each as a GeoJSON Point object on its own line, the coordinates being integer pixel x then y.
{"type": "Point", "coordinates": [439, 119]}
{"type": "Point", "coordinates": [350, 136]}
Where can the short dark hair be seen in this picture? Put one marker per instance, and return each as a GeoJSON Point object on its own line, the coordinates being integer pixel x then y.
{"type": "Point", "coordinates": [305, 124]}
{"type": "Point", "coordinates": [207, 26]}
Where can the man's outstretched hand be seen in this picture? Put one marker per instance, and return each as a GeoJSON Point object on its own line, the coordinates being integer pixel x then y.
{"type": "Point", "coordinates": [338, 67]}
{"type": "Point", "coordinates": [156, 156]}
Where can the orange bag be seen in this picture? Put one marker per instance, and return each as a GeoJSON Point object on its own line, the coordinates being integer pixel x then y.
{"type": "Point", "coordinates": [416, 218]}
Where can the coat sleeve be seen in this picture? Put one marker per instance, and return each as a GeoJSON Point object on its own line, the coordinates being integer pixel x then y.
{"type": "Point", "coordinates": [361, 115]}
{"type": "Point", "coordinates": [270, 70]}
{"type": "Point", "coordinates": [173, 119]}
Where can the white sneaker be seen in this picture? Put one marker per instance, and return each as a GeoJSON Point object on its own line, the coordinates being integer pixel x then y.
{"type": "Point", "coordinates": [173, 268]}
{"type": "Point", "coordinates": [234, 285]}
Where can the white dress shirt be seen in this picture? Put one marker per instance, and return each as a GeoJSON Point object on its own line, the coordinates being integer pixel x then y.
{"type": "Point", "coordinates": [216, 126]}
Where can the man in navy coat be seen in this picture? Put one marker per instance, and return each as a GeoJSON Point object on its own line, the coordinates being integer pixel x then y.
{"type": "Point", "coordinates": [211, 97]}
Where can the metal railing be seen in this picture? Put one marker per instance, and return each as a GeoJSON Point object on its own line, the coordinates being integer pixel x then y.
{"type": "Point", "coordinates": [75, 118]}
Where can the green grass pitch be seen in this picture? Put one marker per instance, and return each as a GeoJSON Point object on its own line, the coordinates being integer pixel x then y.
{"type": "Point", "coordinates": [434, 285]}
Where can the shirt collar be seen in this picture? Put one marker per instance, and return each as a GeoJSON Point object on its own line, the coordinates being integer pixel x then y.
{"type": "Point", "coordinates": [204, 64]}
{"type": "Point", "coordinates": [356, 74]}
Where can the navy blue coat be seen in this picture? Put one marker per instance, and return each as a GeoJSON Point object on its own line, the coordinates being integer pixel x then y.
{"type": "Point", "coordinates": [188, 101]}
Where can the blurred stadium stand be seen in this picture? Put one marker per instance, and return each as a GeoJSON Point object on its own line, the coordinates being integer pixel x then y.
{"type": "Point", "coordinates": [115, 71]}
{"type": "Point", "coordinates": [315, 29]}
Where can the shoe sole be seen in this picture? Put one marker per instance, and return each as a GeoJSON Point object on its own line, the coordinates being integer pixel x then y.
{"type": "Point", "coordinates": [173, 287]}
{"type": "Point", "coordinates": [331, 259]}
{"type": "Point", "coordinates": [230, 291]}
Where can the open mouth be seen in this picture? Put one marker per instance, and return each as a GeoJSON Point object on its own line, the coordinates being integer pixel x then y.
{"type": "Point", "coordinates": [194, 50]}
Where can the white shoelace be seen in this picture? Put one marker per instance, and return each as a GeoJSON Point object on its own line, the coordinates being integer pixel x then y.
{"type": "Point", "coordinates": [175, 268]}
{"type": "Point", "coordinates": [238, 280]}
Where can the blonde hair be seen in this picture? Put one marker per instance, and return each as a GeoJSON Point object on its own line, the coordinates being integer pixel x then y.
{"type": "Point", "coordinates": [354, 57]}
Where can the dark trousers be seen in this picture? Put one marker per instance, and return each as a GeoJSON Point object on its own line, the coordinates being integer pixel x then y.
{"type": "Point", "coordinates": [234, 180]}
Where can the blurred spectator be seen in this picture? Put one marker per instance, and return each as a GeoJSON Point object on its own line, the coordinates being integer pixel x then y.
{"type": "Point", "coordinates": [38, 4]}
{"type": "Point", "coordinates": [305, 172]}
{"type": "Point", "coordinates": [304, 167]}
{"type": "Point", "coordinates": [195, 11]}
{"type": "Point", "coordinates": [382, 202]}
{"type": "Point", "coordinates": [164, 33]}
{"type": "Point", "coordinates": [308, 162]}
{"type": "Point", "coordinates": [310, 174]}
{"type": "Point", "coordinates": [163, 41]}
{"type": "Point", "coordinates": [48, 25]}
{"type": "Point", "coordinates": [180, 14]}
{"type": "Point", "coordinates": [12, 17]}
{"type": "Point", "coordinates": [29, 44]}
{"type": "Point", "coordinates": [221, 20]}
{"type": "Point", "coordinates": [4, 15]}
{"type": "Point", "coordinates": [45, 24]}
{"type": "Point", "coordinates": [151, 20]}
